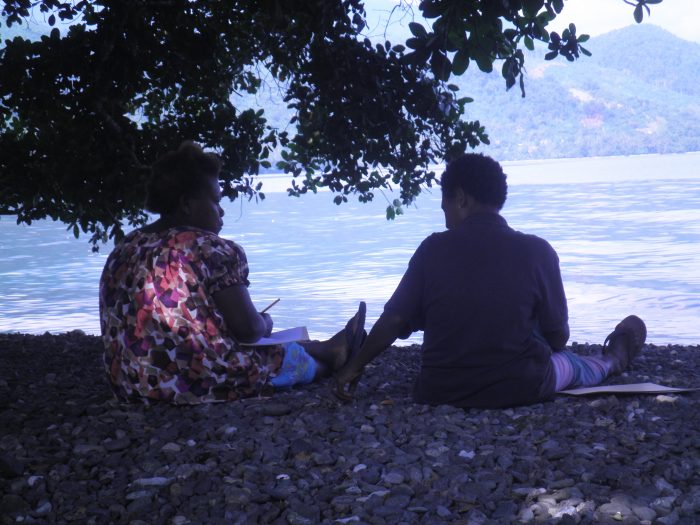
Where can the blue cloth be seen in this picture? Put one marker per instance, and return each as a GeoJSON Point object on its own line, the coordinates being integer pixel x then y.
{"type": "Point", "coordinates": [298, 367]}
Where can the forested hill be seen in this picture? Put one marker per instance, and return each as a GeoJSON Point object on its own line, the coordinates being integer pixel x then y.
{"type": "Point", "coordinates": [638, 93]}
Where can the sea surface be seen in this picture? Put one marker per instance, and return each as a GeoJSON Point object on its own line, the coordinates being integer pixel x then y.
{"type": "Point", "coordinates": [627, 230]}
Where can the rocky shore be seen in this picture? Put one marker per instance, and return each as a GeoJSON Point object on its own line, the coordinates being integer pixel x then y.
{"type": "Point", "coordinates": [70, 454]}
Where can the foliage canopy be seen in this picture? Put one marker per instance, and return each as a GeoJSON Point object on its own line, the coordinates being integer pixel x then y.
{"type": "Point", "coordinates": [82, 113]}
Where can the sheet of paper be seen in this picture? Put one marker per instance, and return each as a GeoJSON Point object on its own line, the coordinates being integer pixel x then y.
{"type": "Point", "coordinates": [283, 336]}
{"type": "Point", "coordinates": [634, 388]}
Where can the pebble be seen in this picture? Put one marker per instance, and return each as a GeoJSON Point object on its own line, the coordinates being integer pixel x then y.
{"type": "Point", "coordinates": [70, 453]}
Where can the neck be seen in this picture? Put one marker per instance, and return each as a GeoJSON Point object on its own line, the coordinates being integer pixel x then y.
{"type": "Point", "coordinates": [164, 222]}
{"type": "Point", "coordinates": [478, 207]}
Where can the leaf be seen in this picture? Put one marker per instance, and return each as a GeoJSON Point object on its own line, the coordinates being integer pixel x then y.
{"type": "Point", "coordinates": [440, 66]}
{"type": "Point", "coordinates": [418, 30]}
{"type": "Point", "coordinates": [415, 43]}
{"type": "Point", "coordinates": [585, 51]}
{"type": "Point", "coordinates": [484, 62]}
{"type": "Point", "coordinates": [532, 7]}
{"type": "Point", "coordinates": [460, 62]}
{"type": "Point", "coordinates": [638, 14]}
{"type": "Point", "coordinates": [529, 43]}
{"type": "Point", "coordinates": [583, 38]}
{"type": "Point", "coordinates": [551, 55]}
{"type": "Point", "coordinates": [52, 20]}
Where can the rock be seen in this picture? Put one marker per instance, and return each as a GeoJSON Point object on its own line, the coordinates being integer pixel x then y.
{"type": "Point", "coordinates": [276, 409]}
{"type": "Point", "coordinates": [171, 448]}
{"type": "Point", "coordinates": [157, 481]}
{"type": "Point", "coordinates": [10, 466]}
{"type": "Point", "coordinates": [662, 398]}
{"type": "Point", "coordinates": [443, 511]}
{"type": "Point", "coordinates": [87, 449]}
{"type": "Point", "coordinates": [393, 478]}
{"type": "Point", "coordinates": [43, 509]}
{"type": "Point", "coordinates": [12, 504]}
{"type": "Point", "coordinates": [115, 445]}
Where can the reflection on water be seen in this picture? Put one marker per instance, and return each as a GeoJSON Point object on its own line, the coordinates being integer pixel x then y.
{"type": "Point", "coordinates": [627, 231]}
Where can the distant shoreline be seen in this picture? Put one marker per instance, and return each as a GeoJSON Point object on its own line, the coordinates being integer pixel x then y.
{"type": "Point", "coordinates": [275, 182]}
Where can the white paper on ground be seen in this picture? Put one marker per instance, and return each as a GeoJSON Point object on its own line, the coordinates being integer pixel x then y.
{"type": "Point", "coordinates": [634, 388]}
{"type": "Point", "coordinates": [290, 335]}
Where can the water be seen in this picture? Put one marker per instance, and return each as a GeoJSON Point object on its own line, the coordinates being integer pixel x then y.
{"type": "Point", "coordinates": [627, 230]}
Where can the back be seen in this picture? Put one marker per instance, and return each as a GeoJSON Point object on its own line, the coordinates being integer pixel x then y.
{"type": "Point", "coordinates": [479, 291]}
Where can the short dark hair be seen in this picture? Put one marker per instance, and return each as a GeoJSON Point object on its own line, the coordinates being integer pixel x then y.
{"type": "Point", "coordinates": [479, 176]}
{"type": "Point", "coordinates": [177, 173]}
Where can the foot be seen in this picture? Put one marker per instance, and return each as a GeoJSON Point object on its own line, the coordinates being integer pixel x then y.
{"type": "Point", "coordinates": [625, 342]}
{"type": "Point", "coordinates": [354, 335]}
{"type": "Point", "coordinates": [335, 352]}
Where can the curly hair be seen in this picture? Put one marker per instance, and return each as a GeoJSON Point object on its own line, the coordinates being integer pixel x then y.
{"type": "Point", "coordinates": [177, 173]}
{"type": "Point", "coordinates": [479, 176]}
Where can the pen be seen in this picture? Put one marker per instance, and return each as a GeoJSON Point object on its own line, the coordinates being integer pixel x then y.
{"type": "Point", "coordinates": [273, 303]}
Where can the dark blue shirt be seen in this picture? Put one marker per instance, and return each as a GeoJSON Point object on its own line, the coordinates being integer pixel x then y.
{"type": "Point", "coordinates": [480, 291]}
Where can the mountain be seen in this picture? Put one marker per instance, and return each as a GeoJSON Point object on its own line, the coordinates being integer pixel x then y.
{"type": "Point", "coordinates": [638, 93]}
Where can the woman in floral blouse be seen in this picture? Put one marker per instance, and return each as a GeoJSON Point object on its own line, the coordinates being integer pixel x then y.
{"type": "Point", "coordinates": [175, 308]}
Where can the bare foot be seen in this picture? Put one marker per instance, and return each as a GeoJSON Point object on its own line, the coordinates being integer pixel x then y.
{"type": "Point", "coordinates": [335, 352]}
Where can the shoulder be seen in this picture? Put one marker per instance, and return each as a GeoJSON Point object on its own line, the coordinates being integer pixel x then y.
{"type": "Point", "coordinates": [200, 241]}
{"type": "Point", "coordinates": [538, 248]}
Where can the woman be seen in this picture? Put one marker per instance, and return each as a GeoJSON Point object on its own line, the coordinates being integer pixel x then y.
{"type": "Point", "coordinates": [175, 308]}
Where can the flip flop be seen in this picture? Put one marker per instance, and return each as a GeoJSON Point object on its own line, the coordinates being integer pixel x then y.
{"type": "Point", "coordinates": [357, 337]}
{"type": "Point", "coordinates": [636, 331]}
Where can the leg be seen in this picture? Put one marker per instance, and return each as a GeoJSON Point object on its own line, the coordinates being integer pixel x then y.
{"type": "Point", "coordinates": [572, 370]}
{"type": "Point", "coordinates": [620, 347]}
{"type": "Point", "coordinates": [307, 361]}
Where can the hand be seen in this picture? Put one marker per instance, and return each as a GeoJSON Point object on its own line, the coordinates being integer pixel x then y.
{"type": "Point", "coordinates": [268, 324]}
{"type": "Point", "coordinates": [345, 382]}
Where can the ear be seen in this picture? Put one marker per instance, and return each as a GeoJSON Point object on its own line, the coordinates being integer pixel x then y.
{"type": "Point", "coordinates": [469, 201]}
{"type": "Point", "coordinates": [463, 199]}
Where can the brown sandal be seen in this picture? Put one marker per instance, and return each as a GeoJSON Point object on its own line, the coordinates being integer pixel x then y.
{"type": "Point", "coordinates": [636, 331]}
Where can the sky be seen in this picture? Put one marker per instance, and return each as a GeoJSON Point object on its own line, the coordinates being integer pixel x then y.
{"type": "Point", "coordinates": [593, 17]}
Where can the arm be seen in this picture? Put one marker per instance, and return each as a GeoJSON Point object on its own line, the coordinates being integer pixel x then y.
{"type": "Point", "coordinates": [553, 311]}
{"type": "Point", "coordinates": [383, 334]}
{"type": "Point", "coordinates": [240, 315]}
{"type": "Point", "coordinates": [557, 339]}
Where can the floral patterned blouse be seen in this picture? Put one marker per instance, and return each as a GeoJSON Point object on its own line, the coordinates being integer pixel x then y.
{"type": "Point", "coordinates": [164, 337]}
